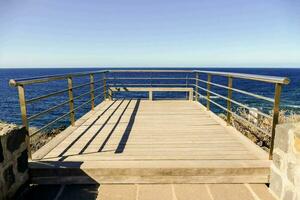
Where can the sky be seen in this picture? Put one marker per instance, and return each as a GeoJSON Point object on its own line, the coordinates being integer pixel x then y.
{"type": "Point", "coordinates": [149, 33]}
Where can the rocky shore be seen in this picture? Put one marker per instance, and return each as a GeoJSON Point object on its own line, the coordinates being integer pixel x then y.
{"type": "Point", "coordinates": [255, 135]}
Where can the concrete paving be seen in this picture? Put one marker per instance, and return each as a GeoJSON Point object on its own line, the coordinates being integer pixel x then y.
{"type": "Point", "coordinates": [151, 192]}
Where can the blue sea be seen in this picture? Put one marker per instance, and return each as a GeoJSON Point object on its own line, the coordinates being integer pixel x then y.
{"type": "Point", "coordinates": [10, 111]}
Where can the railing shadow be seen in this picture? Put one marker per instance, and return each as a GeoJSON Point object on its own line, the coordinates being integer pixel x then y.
{"type": "Point", "coordinates": [91, 125]}
{"type": "Point", "coordinates": [126, 134]}
{"type": "Point", "coordinates": [123, 141]}
{"type": "Point", "coordinates": [114, 127]}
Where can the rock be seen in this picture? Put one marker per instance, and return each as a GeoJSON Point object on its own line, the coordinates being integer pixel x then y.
{"type": "Point", "coordinates": [1, 153]}
{"type": "Point", "coordinates": [276, 183]}
{"type": "Point", "coordinates": [9, 176]}
{"type": "Point", "coordinates": [15, 139]}
{"type": "Point", "coordinates": [23, 162]}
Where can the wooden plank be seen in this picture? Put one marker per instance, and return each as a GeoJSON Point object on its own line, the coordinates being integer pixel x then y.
{"type": "Point", "coordinates": [180, 133]}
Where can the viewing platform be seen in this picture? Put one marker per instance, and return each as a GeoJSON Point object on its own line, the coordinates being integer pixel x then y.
{"type": "Point", "coordinates": [148, 140]}
{"type": "Point", "coordinates": [133, 141]}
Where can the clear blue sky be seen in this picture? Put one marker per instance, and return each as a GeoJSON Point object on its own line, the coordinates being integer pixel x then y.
{"type": "Point", "coordinates": [175, 33]}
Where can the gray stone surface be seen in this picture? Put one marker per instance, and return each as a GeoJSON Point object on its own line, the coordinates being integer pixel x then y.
{"type": "Point", "coordinates": [1, 153]}
{"type": "Point", "coordinates": [23, 162]}
{"type": "Point", "coordinates": [15, 139]}
{"type": "Point", "coordinates": [14, 166]}
{"type": "Point", "coordinates": [276, 183]}
{"type": "Point", "coordinates": [9, 176]}
{"type": "Point", "coordinates": [285, 173]}
{"type": "Point", "coordinates": [282, 137]}
{"type": "Point", "coordinates": [157, 192]}
{"type": "Point", "coordinates": [277, 158]}
{"type": "Point", "coordinates": [291, 171]}
{"type": "Point", "coordinates": [289, 195]}
{"type": "Point", "coordinates": [117, 192]}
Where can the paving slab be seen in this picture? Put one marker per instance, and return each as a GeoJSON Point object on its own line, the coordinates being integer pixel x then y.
{"type": "Point", "coordinates": [117, 192]}
{"type": "Point", "coordinates": [191, 192]}
{"type": "Point", "coordinates": [230, 192]}
{"type": "Point", "coordinates": [155, 192]}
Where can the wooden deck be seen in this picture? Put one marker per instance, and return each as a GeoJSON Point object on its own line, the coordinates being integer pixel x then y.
{"type": "Point", "coordinates": [141, 141]}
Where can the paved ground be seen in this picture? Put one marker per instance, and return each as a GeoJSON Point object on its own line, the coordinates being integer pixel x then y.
{"type": "Point", "coordinates": [152, 192]}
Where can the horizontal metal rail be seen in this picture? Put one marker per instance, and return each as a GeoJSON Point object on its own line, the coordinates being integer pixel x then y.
{"type": "Point", "coordinates": [63, 116]}
{"type": "Point", "coordinates": [148, 84]}
{"type": "Point", "coordinates": [58, 92]}
{"type": "Point", "coordinates": [47, 111]}
{"type": "Point", "coordinates": [239, 91]}
{"type": "Point", "coordinates": [148, 78]}
{"type": "Point", "coordinates": [268, 79]}
{"type": "Point", "coordinates": [44, 79]}
{"type": "Point", "coordinates": [150, 70]}
{"type": "Point", "coordinates": [236, 115]}
{"type": "Point", "coordinates": [46, 96]}
{"type": "Point", "coordinates": [235, 102]}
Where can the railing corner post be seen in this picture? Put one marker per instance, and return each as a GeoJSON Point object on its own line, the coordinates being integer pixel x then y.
{"type": "Point", "coordinates": [208, 91]}
{"type": "Point", "coordinates": [150, 95]}
{"type": "Point", "coordinates": [196, 88]}
{"type": "Point", "coordinates": [71, 100]}
{"type": "Point", "coordinates": [275, 119]}
{"type": "Point", "coordinates": [104, 86]}
{"type": "Point", "coordinates": [92, 88]}
{"type": "Point", "coordinates": [229, 97]}
{"type": "Point", "coordinates": [23, 108]}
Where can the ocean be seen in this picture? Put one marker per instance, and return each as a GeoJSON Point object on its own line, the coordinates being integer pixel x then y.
{"type": "Point", "coordinates": [10, 111]}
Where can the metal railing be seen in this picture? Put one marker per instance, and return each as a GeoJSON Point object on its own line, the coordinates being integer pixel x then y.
{"type": "Point", "coordinates": [21, 83]}
{"type": "Point", "coordinates": [191, 79]}
{"type": "Point", "coordinates": [278, 81]}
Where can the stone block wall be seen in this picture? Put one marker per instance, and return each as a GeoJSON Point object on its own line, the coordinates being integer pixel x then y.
{"type": "Point", "coordinates": [13, 160]}
{"type": "Point", "coordinates": [285, 170]}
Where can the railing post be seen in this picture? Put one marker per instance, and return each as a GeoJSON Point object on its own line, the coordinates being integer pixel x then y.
{"type": "Point", "coordinates": [196, 88]}
{"type": "Point", "coordinates": [275, 116]}
{"type": "Point", "coordinates": [23, 108]}
{"type": "Point", "coordinates": [71, 101]}
{"type": "Point", "coordinates": [229, 96]}
{"type": "Point", "coordinates": [191, 94]}
{"type": "Point", "coordinates": [208, 91]}
{"type": "Point", "coordinates": [110, 94]}
{"type": "Point", "coordinates": [150, 95]}
{"type": "Point", "coordinates": [104, 86]}
{"type": "Point", "coordinates": [92, 87]}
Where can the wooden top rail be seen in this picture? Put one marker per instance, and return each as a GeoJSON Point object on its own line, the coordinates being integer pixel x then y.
{"type": "Point", "coordinates": [269, 79]}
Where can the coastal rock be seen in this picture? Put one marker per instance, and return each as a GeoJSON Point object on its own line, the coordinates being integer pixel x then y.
{"type": "Point", "coordinates": [23, 162]}
{"type": "Point", "coordinates": [1, 153]}
{"type": "Point", "coordinates": [15, 139]}
{"type": "Point", "coordinates": [14, 161]}
{"type": "Point", "coordinates": [9, 177]}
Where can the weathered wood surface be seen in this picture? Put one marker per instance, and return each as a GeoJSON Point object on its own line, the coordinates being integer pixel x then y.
{"type": "Point", "coordinates": [139, 141]}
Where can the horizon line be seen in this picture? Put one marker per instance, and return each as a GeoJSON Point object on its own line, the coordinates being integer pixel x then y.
{"type": "Point", "coordinates": [107, 67]}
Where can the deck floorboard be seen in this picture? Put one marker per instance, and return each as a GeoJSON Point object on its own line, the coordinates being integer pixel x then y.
{"type": "Point", "coordinates": [137, 130]}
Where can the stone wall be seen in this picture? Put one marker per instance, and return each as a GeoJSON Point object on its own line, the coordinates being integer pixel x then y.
{"type": "Point", "coordinates": [285, 170]}
{"type": "Point", "coordinates": [13, 160]}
